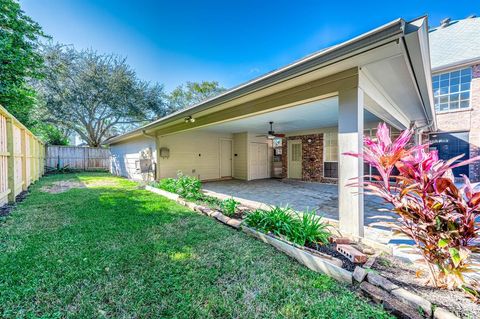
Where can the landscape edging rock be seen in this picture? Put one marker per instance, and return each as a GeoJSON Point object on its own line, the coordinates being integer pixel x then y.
{"type": "Point", "coordinates": [392, 296]}
{"type": "Point", "coordinates": [314, 262]}
{"type": "Point", "coordinates": [232, 222]}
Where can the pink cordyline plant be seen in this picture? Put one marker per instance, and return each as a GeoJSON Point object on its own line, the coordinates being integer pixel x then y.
{"type": "Point", "coordinates": [438, 216]}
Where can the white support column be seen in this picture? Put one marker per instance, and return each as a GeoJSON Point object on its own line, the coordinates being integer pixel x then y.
{"type": "Point", "coordinates": [350, 139]}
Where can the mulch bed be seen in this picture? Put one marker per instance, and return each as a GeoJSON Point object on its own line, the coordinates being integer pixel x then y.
{"type": "Point", "coordinates": [6, 209]}
{"type": "Point", "coordinates": [330, 249]}
{"type": "Point", "coordinates": [403, 275]}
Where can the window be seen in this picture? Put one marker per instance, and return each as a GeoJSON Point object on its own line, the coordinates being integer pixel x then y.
{"type": "Point", "coordinates": [330, 154]}
{"type": "Point", "coordinates": [450, 145]}
{"type": "Point", "coordinates": [451, 90]}
{"type": "Point", "coordinates": [296, 152]}
{"type": "Point", "coordinates": [330, 146]}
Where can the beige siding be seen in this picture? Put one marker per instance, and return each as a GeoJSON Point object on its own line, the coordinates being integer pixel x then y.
{"type": "Point", "coordinates": [195, 153]}
{"type": "Point", "coordinates": [240, 162]}
{"type": "Point", "coordinates": [125, 155]}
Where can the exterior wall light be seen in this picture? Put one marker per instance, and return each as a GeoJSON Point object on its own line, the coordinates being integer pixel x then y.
{"type": "Point", "coordinates": [189, 119]}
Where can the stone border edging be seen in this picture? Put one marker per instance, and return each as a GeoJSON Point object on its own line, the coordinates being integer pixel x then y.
{"type": "Point", "coordinates": [315, 262]}
{"type": "Point", "coordinates": [399, 301]}
{"type": "Point", "coordinates": [232, 222]}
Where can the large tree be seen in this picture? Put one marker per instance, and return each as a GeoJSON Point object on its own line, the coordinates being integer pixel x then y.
{"type": "Point", "coordinates": [95, 95]}
{"type": "Point", "coordinates": [191, 93]}
{"type": "Point", "coordinates": [20, 60]}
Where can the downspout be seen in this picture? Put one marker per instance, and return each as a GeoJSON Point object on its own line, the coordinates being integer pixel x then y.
{"type": "Point", "coordinates": [419, 131]}
{"type": "Point", "coordinates": [154, 137]}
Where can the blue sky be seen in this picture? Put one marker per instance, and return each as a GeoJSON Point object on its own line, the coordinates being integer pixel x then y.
{"type": "Point", "coordinates": [172, 42]}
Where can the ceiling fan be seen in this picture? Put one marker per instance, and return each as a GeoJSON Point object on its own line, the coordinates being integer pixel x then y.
{"type": "Point", "coordinates": [271, 134]}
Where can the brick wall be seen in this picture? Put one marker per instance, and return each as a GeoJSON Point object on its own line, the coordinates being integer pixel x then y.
{"type": "Point", "coordinates": [474, 137]}
{"type": "Point", "coordinates": [468, 120]}
{"type": "Point", "coordinates": [312, 157]}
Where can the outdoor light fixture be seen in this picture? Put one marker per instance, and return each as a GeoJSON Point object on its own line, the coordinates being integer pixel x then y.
{"type": "Point", "coordinates": [189, 119]}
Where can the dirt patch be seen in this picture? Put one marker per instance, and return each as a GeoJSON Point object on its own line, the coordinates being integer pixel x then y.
{"type": "Point", "coordinates": [404, 275]}
{"type": "Point", "coordinates": [61, 186]}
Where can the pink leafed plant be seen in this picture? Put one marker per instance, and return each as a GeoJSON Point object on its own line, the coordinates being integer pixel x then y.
{"type": "Point", "coordinates": [441, 218]}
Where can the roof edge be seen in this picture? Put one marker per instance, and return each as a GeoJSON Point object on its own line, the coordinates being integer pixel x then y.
{"type": "Point", "coordinates": [302, 66]}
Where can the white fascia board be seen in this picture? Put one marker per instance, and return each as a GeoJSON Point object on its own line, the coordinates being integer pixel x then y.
{"type": "Point", "coordinates": [417, 51]}
{"type": "Point", "coordinates": [385, 108]}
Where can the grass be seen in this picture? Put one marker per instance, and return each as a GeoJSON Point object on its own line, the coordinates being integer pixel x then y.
{"type": "Point", "coordinates": [111, 250]}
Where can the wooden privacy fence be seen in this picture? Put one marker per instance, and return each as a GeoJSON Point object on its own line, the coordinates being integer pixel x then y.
{"type": "Point", "coordinates": [21, 157]}
{"type": "Point", "coordinates": [78, 157]}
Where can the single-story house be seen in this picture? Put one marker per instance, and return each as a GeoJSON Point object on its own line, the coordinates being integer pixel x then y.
{"type": "Point", "coordinates": [319, 106]}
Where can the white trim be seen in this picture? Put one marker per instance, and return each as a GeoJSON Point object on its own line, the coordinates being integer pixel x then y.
{"type": "Point", "coordinates": [220, 139]}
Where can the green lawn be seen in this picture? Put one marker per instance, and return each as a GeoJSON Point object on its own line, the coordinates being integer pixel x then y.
{"type": "Point", "coordinates": [111, 250]}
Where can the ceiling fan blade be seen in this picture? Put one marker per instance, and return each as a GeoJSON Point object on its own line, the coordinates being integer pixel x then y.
{"type": "Point", "coordinates": [263, 135]}
{"type": "Point", "coordinates": [279, 135]}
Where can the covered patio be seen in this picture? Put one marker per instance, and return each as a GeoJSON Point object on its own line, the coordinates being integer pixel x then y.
{"type": "Point", "coordinates": [320, 106]}
{"type": "Point", "coordinates": [300, 196]}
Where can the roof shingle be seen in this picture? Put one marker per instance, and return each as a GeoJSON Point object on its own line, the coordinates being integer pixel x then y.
{"type": "Point", "coordinates": [455, 43]}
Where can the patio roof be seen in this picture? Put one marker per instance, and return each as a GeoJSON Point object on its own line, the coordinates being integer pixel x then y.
{"type": "Point", "coordinates": [395, 54]}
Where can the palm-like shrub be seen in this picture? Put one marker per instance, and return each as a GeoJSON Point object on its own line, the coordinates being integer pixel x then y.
{"type": "Point", "coordinates": [438, 216]}
{"type": "Point", "coordinates": [301, 229]}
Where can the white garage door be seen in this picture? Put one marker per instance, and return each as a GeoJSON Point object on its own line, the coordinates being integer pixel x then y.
{"type": "Point", "coordinates": [258, 160]}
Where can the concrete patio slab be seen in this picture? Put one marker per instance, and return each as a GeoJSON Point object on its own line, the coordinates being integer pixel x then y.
{"type": "Point", "coordinates": [299, 195]}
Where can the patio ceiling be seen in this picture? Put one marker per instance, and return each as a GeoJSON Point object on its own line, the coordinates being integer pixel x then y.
{"type": "Point", "coordinates": [308, 116]}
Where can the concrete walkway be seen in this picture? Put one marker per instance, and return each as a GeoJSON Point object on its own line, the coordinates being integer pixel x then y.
{"type": "Point", "coordinates": [323, 198]}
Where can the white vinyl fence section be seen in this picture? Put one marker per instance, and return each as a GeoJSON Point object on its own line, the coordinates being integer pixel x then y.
{"type": "Point", "coordinates": [78, 158]}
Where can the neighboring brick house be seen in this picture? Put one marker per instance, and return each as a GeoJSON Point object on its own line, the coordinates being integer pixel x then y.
{"type": "Point", "coordinates": [455, 60]}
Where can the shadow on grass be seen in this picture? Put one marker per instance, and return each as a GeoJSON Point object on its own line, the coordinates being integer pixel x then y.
{"type": "Point", "coordinates": [118, 251]}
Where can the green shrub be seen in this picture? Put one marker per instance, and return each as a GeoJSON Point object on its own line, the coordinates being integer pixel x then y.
{"type": "Point", "coordinates": [284, 222]}
{"type": "Point", "coordinates": [186, 186]}
{"type": "Point", "coordinates": [229, 206]}
{"type": "Point", "coordinates": [313, 229]}
{"type": "Point", "coordinates": [168, 184]}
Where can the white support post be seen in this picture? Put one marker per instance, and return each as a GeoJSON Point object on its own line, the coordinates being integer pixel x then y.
{"type": "Point", "coordinates": [350, 139]}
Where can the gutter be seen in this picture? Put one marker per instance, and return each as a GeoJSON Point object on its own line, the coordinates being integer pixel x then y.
{"type": "Point", "coordinates": [308, 64]}
{"type": "Point", "coordinates": [144, 133]}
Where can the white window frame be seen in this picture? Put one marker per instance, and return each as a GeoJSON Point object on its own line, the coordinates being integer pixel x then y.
{"type": "Point", "coordinates": [447, 76]}
{"type": "Point", "coordinates": [325, 135]}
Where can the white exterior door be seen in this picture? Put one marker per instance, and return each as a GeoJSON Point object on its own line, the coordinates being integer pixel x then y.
{"type": "Point", "coordinates": [225, 158]}
{"type": "Point", "coordinates": [295, 159]}
{"type": "Point", "coordinates": [258, 160]}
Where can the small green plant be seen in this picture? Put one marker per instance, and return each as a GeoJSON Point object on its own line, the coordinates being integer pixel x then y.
{"type": "Point", "coordinates": [313, 229]}
{"type": "Point", "coordinates": [168, 184]}
{"type": "Point", "coordinates": [188, 187]}
{"type": "Point", "coordinates": [229, 206]}
{"type": "Point", "coordinates": [283, 222]}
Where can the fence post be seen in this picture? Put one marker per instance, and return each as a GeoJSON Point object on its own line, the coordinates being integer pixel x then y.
{"type": "Point", "coordinates": [24, 159]}
{"type": "Point", "coordinates": [10, 161]}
